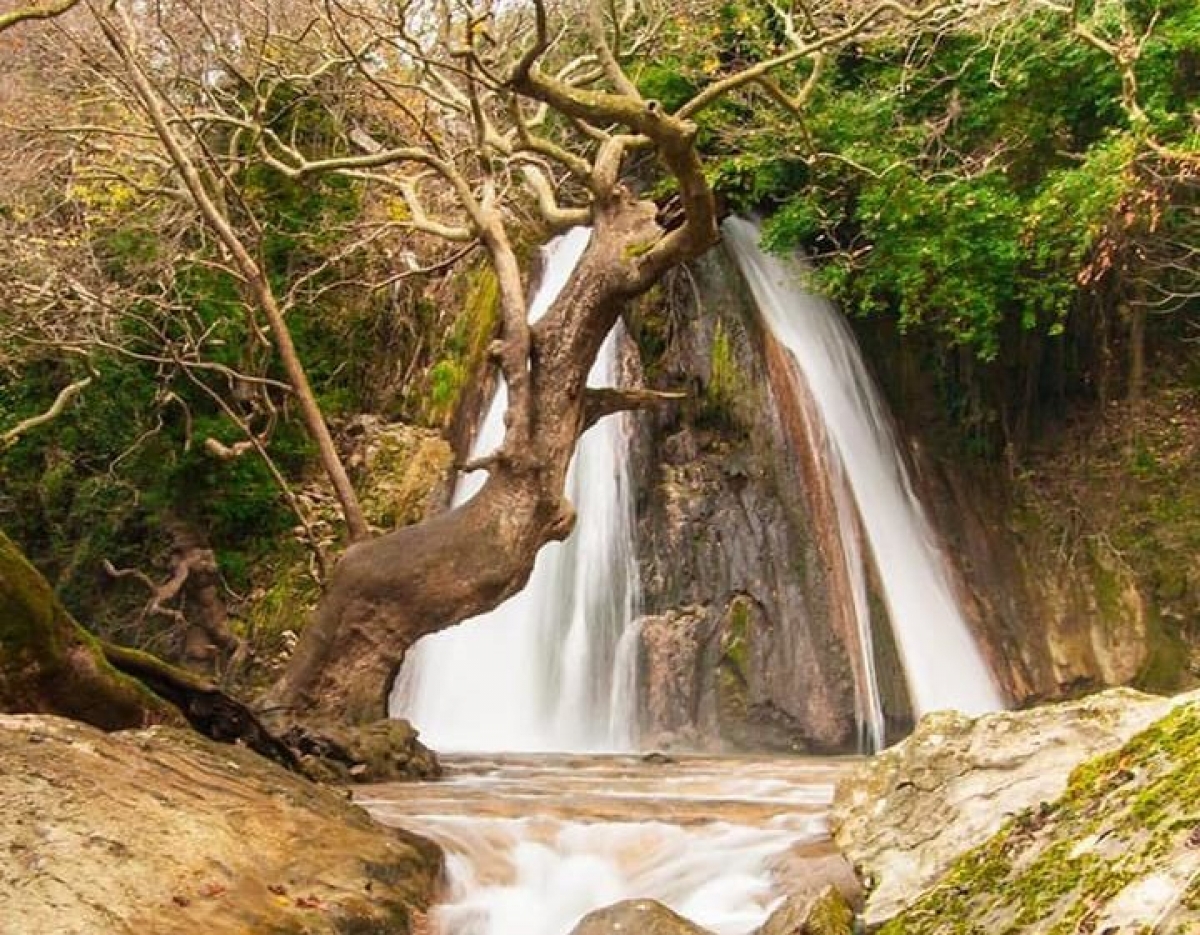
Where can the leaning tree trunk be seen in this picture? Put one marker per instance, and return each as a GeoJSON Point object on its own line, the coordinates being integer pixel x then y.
{"type": "Point", "coordinates": [388, 592]}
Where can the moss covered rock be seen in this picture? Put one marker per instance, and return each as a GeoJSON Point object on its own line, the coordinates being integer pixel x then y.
{"type": "Point", "coordinates": [49, 664]}
{"type": "Point", "coordinates": [825, 913]}
{"type": "Point", "coordinates": [903, 817]}
{"type": "Point", "coordinates": [405, 468]}
{"type": "Point", "coordinates": [1117, 852]}
{"type": "Point", "coordinates": [382, 751]}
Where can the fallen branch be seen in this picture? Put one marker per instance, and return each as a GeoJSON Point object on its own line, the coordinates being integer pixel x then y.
{"type": "Point", "coordinates": [208, 709]}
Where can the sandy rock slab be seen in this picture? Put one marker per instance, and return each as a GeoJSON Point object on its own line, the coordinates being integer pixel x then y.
{"type": "Point", "coordinates": [637, 917]}
{"type": "Point", "coordinates": [162, 831]}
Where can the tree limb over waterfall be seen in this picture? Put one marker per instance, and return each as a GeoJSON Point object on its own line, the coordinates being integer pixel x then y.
{"type": "Point", "coordinates": [465, 131]}
{"type": "Point", "coordinates": [554, 129]}
{"type": "Point", "coordinates": [605, 401]}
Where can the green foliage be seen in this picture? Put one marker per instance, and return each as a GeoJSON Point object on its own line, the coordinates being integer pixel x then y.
{"type": "Point", "coordinates": [464, 350]}
{"type": "Point", "coordinates": [962, 195]}
{"type": "Point", "coordinates": [988, 194]}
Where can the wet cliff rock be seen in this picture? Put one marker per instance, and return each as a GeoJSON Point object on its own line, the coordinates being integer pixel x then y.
{"type": "Point", "coordinates": [742, 644]}
{"type": "Point", "coordinates": [161, 831]}
{"type": "Point", "coordinates": [905, 816]}
{"type": "Point", "coordinates": [1078, 549]}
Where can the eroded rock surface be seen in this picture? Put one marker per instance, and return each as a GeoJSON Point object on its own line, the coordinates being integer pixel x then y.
{"type": "Point", "coordinates": [387, 750]}
{"type": "Point", "coordinates": [822, 913]}
{"type": "Point", "coordinates": [1117, 853]}
{"type": "Point", "coordinates": [162, 832]}
{"type": "Point", "coordinates": [906, 815]}
{"type": "Point", "coordinates": [741, 646]}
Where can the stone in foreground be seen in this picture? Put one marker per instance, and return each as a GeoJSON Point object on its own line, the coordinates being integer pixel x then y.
{"type": "Point", "coordinates": [904, 817]}
{"type": "Point", "coordinates": [825, 913]}
{"type": "Point", "coordinates": [636, 917]}
{"type": "Point", "coordinates": [1117, 854]}
{"type": "Point", "coordinates": [162, 832]}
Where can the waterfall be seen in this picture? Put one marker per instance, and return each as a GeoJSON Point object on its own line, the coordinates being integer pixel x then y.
{"type": "Point", "coordinates": [943, 665]}
{"type": "Point", "coordinates": [551, 668]}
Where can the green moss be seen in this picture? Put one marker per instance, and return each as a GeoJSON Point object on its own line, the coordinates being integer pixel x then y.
{"type": "Point", "coordinates": [736, 640]}
{"type": "Point", "coordinates": [634, 250]}
{"type": "Point", "coordinates": [1108, 586]}
{"type": "Point", "coordinates": [829, 915]}
{"type": "Point", "coordinates": [466, 346]}
{"type": "Point", "coordinates": [726, 388]}
{"type": "Point", "coordinates": [733, 700]}
{"type": "Point", "coordinates": [1165, 668]}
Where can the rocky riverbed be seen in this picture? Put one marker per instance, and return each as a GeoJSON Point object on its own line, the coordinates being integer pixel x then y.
{"type": "Point", "coordinates": [1080, 817]}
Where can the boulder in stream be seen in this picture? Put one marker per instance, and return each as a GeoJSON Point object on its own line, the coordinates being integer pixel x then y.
{"type": "Point", "coordinates": [823, 913]}
{"type": "Point", "coordinates": [162, 832]}
{"type": "Point", "coordinates": [386, 750]}
{"type": "Point", "coordinates": [636, 917]}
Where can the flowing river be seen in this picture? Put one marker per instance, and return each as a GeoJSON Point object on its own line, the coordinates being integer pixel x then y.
{"type": "Point", "coordinates": [535, 841]}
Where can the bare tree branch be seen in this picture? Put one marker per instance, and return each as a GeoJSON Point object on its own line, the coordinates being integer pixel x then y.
{"type": "Point", "coordinates": [64, 397]}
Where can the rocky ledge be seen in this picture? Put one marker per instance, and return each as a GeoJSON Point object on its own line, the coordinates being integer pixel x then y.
{"type": "Point", "coordinates": [161, 831]}
{"type": "Point", "coordinates": [1077, 817]}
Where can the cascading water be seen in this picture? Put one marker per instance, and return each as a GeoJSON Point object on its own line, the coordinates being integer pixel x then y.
{"type": "Point", "coordinates": [943, 665]}
{"type": "Point", "coordinates": [534, 842]}
{"type": "Point", "coordinates": [550, 668]}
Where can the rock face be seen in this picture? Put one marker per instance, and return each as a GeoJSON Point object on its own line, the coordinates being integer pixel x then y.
{"type": "Point", "coordinates": [826, 913]}
{"type": "Point", "coordinates": [906, 815]}
{"type": "Point", "coordinates": [405, 470]}
{"type": "Point", "coordinates": [1118, 852]}
{"type": "Point", "coordinates": [161, 831]}
{"type": "Point", "coordinates": [1077, 558]}
{"type": "Point", "coordinates": [636, 917]}
{"type": "Point", "coordinates": [1051, 623]}
{"type": "Point", "coordinates": [742, 647]}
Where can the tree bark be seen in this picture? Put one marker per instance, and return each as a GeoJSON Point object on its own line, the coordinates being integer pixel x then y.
{"type": "Point", "coordinates": [49, 664]}
{"type": "Point", "coordinates": [388, 592]}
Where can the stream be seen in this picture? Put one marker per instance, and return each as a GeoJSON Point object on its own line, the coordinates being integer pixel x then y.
{"type": "Point", "coordinates": [535, 841]}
